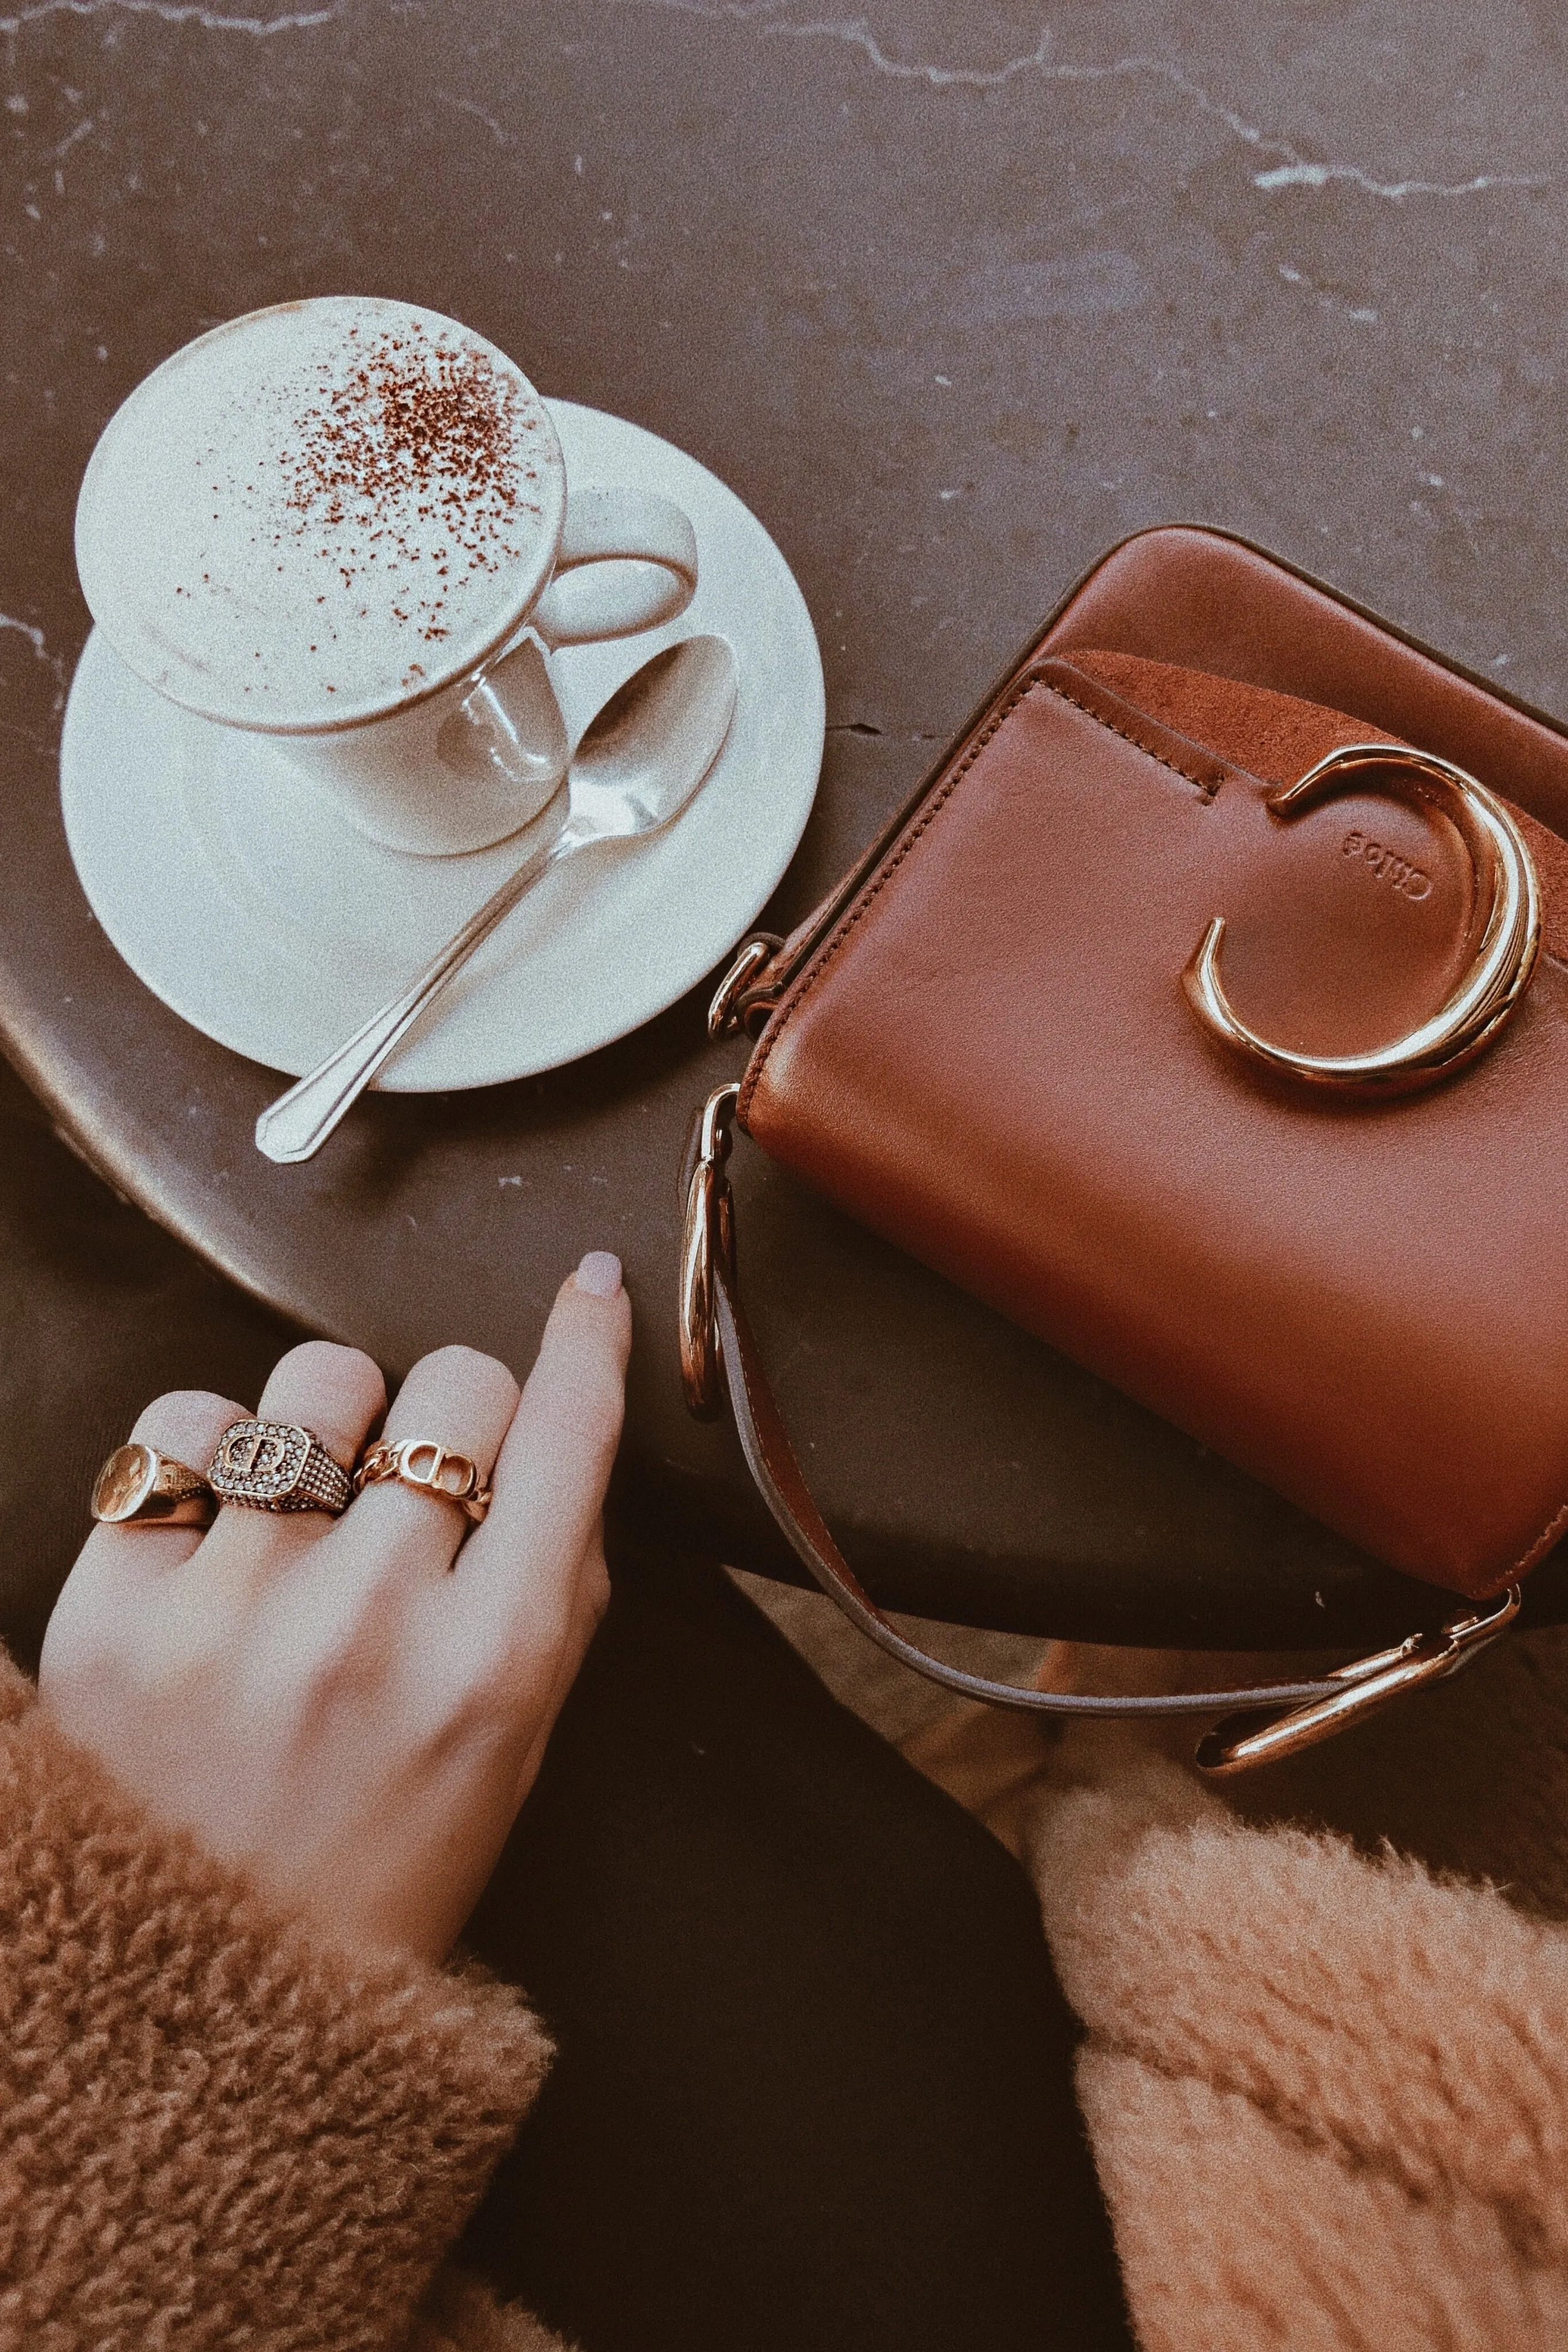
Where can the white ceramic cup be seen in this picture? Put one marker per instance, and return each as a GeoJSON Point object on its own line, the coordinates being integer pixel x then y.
{"type": "Point", "coordinates": [344, 524]}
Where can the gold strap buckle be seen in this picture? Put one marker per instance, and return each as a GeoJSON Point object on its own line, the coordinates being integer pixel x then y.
{"type": "Point", "coordinates": [1282, 1718]}
{"type": "Point", "coordinates": [1244, 1740]}
{"type": "Point", "coordinates": [1498, 977]}
{"type": "Point", "coordinates": [708, 1235]}
{"type": "Point", "coordinates": [726, 1014]}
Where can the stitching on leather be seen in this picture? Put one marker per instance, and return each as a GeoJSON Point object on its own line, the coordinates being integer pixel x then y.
{"type": "Point", "coordinates": [1207, 787]}
{"type": "Point", "coordinates": [830, 948]}
{"type": "Point", "coordinates": [1556, 1526]}
{"type": "Point", "coordinates": [1543, 1543]}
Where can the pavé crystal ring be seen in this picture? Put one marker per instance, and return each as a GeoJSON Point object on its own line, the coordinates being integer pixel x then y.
{"type": "Point", "coordinates": [276, 1466]}
{"type": "Point", "coordinates": [429, 1469]}
{"type": "Point", "coordinates": [138, 1486]}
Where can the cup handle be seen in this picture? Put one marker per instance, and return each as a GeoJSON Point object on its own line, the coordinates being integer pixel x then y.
{"type": "Point", "coordinates": [627, 561]}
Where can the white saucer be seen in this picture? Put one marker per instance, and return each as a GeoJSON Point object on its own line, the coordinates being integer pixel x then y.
{"type": "Point", "coordinates": [262, 917]}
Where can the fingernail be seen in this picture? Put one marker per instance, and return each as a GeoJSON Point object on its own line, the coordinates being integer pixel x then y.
{"type": "Point", "coordinates": [599, 1273]}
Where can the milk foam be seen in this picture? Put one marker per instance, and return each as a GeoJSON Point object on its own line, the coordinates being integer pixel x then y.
{"type": "Point", "coordinates": [318, 512]}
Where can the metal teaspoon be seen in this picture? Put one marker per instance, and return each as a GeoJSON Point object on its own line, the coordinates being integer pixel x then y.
{"type": "Point", "coordinates": [638, 764]}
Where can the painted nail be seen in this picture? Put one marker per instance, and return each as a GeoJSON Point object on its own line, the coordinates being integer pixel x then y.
{"type": "Point", "coordinates": [599, 1273]}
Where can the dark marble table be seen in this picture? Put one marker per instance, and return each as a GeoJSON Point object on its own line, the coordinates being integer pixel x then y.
{"type": "Point", "coordinates": [954, 303]}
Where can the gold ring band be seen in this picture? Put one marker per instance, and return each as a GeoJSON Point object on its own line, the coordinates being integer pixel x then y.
{"type": "Point", "coordinates": [429, 1469]}
{"type": "Point", "coordinates": [1504, 960]}
{"type": "Point", "coordinates": [140, 1487]}
{"type": "Point", "coordinates": [278, 1465]}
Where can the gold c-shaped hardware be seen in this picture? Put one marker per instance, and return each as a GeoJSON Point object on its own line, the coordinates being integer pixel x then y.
{"type": "Point", "coordinates": [1483, 1000]}
{"type": "Point", "coordinates": [1245, 1739]}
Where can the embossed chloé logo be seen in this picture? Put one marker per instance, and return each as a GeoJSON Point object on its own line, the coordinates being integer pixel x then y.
{"type": "Point", "coordinates": [1387, 865]}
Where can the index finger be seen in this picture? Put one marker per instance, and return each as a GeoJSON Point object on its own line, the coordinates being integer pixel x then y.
{"type": "Point", "coordinates": [554, 1467]}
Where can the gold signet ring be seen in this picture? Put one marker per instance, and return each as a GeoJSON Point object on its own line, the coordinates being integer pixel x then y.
{"type": "Point", "coordinates": [140, 1487]}
{"type": "Point", "coordinates": [429, 1469]}
{"type": "Point", "coordinates": [1498, 977]}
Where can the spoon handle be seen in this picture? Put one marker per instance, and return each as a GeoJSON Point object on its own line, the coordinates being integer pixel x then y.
{"type": "Point", "coordinates": [298, 1124]}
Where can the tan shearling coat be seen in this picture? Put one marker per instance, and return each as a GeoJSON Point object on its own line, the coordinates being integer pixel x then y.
{"type": "Point", "coordinates": [1325, 2071]}
{"type": "Point", "coordinates": [1325, 2068]}
{"type": "Point", "coordinates": [213, 2132]}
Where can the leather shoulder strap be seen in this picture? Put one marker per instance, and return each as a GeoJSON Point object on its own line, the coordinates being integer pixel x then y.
{"type": "Point", "coordinates": [771, 1458]}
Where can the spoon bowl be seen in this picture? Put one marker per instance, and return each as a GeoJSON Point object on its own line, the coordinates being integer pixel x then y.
{"type": "Point", "coordinates": [640, 760]}
{"type": "Point", "coordinates": [644, 755]}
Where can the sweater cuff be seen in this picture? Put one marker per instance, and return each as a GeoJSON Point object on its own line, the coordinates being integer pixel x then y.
{"type": "Point", "coordinates": [213, 2129]}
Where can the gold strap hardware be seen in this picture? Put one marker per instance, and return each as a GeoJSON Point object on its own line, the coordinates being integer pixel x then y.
{"type": "Point", "coordinates": [1312, 1710]}
{"type": "Point", "coordinates": [1483, 999]}
{"type": "Point", "coordinates": [708, 1235]}
{"type": "Point", "coordinates": [726, 1014]}
{"type": "Point", "coordinates": [1244, 1740]}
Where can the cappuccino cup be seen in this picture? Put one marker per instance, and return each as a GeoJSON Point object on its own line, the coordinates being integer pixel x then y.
{"type": "Point", "coordinates": [344, 525]}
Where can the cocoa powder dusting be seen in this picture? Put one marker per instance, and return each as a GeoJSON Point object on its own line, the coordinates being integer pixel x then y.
{"type": "Point", "coordinates": [413, 454]}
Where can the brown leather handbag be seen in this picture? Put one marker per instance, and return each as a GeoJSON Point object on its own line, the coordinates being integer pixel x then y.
{"type": "Point", "coordinates": [1204, 1012]}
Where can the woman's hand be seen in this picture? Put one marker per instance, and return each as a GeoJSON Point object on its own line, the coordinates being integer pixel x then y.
{"type": "Point", "coordinates": [354, 1709]}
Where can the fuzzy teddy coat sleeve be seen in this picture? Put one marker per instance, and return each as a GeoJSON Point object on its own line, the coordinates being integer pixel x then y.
{"type": "Point", "coordinates": [214, 2132]}
{"type": "Point", "coordinates": [1325, 2064]}
{"type": "Point", "coordinates": [1327, 2090]}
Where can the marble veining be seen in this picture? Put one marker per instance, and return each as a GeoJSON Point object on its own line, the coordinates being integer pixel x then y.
{"type": "Point", "coordinates": [173, 11]}
{"type": "Point", "coordinates": [40, 643]}
{"type": "Point", "coordinates": [1293, 170]}
{"type": "Point", "coordinates": [469, 106]}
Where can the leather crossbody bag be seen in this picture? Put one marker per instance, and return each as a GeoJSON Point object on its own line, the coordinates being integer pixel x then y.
{"type": "Point", "coordinates": [1203, 1013]}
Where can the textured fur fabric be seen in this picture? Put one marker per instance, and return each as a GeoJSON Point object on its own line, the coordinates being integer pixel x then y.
{"type": "Point", "coordinates": [461, 2315]}
{"type": "Point", "coordinates": [214, 2133]}
{"type": "Point", "coordinates": [1326, 2079]}
{"type": "Point", "coordinates": [1325, 2068]}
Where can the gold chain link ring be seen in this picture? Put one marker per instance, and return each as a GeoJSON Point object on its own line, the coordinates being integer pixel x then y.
{"type": "Point", "coordinates": [429, 1469]}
